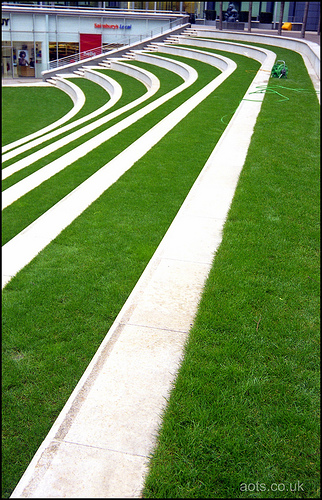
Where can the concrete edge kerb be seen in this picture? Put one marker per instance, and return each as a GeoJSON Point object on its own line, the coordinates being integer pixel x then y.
{"type": "Point", "coordinates": [111, 86]}
{"type": "Point", "coordinates": [248, 110]}
{"type": "Point", "coordinates": [78, 99]}
{"type": "Point", "coordinates": [74, 92]}
{"type": "Point", "coordinates": [143, 75]}
{"type": "Point", "coordinates": [310, 49]}
{"type": "Point", "coordinates": [220, 62]}
{"type": "Point", "coordinates": [103, 81]}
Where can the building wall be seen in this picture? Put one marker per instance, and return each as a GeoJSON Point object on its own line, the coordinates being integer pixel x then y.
{"type": "Point", "coordinates": [293, 11]}
{"type": "Point", "coordinates": [296, 12]}
{"type": "Point", "coordinates": [46, 36]}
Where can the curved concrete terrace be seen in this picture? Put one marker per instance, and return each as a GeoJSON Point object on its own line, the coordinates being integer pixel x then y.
{"type": "Point", "coordinates": [187, 73]}
{"type": "Point", "coordinates": [110, 85]}
{"type": "Point", "coordinates": [78, 99]}
{"type": "Point", "coordinates": [150, 81]}
{"type": "Point", "coordinates": [98, 446]}
{"type": "Point", "coordinates": [309, 49]}
{"type": "Point", "coordinates": [20, 188]}
{"type": "Point", "coordinates": [36, 236]}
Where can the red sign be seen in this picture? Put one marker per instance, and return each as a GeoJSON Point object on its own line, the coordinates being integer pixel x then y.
{"type": "Point", "coordinates": [89, 42]}
{"type": "Point", "coordinates": [114, 26]}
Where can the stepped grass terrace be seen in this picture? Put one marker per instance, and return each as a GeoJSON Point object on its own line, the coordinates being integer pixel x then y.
{"type": "Point", "coordinates": [244, 407]}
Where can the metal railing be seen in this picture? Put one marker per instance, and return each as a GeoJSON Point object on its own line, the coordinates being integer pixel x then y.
{"type": "Point", "coordinates": [80, 56]}
{"type": "Point", "coordinates": [128, 40]}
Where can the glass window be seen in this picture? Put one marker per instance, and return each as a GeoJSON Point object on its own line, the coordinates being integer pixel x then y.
{"type": "Point", "coordinates": [23, 59]}
{"type": "Point", "coordinates": [38, 59]}
{"type": "Point", "coordinates": [62, 49]}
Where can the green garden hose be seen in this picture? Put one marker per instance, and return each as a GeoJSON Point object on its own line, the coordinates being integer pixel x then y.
{"type": "Point", "coordinates": [279, 70]}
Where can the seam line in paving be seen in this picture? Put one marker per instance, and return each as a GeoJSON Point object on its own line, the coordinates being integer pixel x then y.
{"type": "Point", "coordinates": [100, 448]}
{"type": "Point", "coordinates": [142, 325]}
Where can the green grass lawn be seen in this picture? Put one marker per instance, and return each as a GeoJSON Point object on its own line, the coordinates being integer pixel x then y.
{"type": "Point", "coordinates": [244, 406]}
{"type": "Point", "coordinates": [15, 217]}
{"type": "Point", "coordinates": [243, 416]}
{"type": "Point", "coordinates": [70, 294]}
{"type": "Point", "coordinates": [96, 97]}
{"type": "Point", "coordinates": [19, 105]}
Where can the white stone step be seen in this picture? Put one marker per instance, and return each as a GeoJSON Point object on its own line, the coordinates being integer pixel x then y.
{"type": "Point", "coordinates": [172, 39]}
{"type": "Point", "coordinates": [152, 48]}
{"type": "Point", "coordinates": [52, 81]}
{"type": "Point", "coordinates": [128, 55]}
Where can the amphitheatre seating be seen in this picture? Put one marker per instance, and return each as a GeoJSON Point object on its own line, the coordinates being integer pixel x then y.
{"type": "Point", "coordinates": [78, 99]}
{"type": "Point", "coordinates": [174, 276]}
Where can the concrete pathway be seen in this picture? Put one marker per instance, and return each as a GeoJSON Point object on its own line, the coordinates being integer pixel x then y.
{"type": "Point", "coordinates": [100, 443]}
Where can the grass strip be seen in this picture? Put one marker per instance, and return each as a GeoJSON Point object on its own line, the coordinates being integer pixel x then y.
{"type": "Point", "coordinates": [242, 420]}
{"type": "Point", "coordinates": [16, 217]}
{"type": "Point", "coordinates": [133, 89]}
{"type": "Point", "coordinates": [57, 310]}
{"type": "Point", "coordinates": [17, 122]}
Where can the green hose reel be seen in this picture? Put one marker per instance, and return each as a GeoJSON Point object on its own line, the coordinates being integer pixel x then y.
{"type": "Point", "coordinates": [279, 70]}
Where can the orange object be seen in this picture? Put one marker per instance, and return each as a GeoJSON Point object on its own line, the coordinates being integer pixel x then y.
{"type": "Point", "coordinates": [287, 26]}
